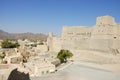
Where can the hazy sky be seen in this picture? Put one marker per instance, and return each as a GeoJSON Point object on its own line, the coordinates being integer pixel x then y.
{"type": "Point", "coordinates": [43, 16]}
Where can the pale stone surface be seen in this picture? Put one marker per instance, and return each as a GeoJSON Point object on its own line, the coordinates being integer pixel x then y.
{"type": "Point", "coordinates": [41, 48]}
{"type": "Point", "coordinates": [50, 42]}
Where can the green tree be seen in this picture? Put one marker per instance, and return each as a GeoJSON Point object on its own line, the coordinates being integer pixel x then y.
{"type": "Point", "coordinates": [34, 45]}
{"type": "Point", "coordinates": [2, 55]}
{"type": "Point", "coordinates": [9, 44]}
{"type": "Point", "coordinates": [63, 55]}
{"type": "Point", "coordinates": [41, 43]}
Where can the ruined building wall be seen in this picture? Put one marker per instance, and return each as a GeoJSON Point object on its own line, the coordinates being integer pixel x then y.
{"type": "Point", "coordinates": [57, 44]}
{"type": "Point", "coordinates": [50, 42]}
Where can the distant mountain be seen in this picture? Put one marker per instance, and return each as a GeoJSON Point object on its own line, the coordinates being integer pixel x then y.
{"type": "Point", "coordinates": [30, 36]}
{"type": "Point", "coordinates": [4, 34]}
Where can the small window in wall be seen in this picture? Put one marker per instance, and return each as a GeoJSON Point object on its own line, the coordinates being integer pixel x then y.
{"type": "Point", "coordinates": [70, 33]}
{"type": "Point", "coordinates": [115, 37]}
{"type": "Point", "coordinates": [78, 33]}
{"type": "Point", "coordinates": [47, 71]}
{"type": "Point", "coordinates": [42, 72]}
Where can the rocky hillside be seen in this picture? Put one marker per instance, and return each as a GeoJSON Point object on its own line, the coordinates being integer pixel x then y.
{"type": "Point", "coordinates": [30, 36]}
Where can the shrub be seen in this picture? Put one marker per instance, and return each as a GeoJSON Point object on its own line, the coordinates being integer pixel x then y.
{"type": "Point", "coordinates": [63, 55]}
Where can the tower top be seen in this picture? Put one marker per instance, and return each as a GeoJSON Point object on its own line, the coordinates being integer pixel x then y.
{"type": "Point", "coordinates": [105, 20]}
{"type": "Point", "coordinates": [50, 34]}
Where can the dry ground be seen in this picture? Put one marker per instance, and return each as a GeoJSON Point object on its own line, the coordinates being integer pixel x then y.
{"type": "Point", "coordinates": [88, 65]}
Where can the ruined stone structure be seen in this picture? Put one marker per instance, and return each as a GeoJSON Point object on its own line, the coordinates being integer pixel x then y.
{"type": "Point", "coordinates": [103, 36]}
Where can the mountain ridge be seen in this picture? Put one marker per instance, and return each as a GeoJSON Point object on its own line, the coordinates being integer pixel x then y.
{"type": "Point", "coordinates": [27, 35]}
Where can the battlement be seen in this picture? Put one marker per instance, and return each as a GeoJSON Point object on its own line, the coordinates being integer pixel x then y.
{"type": "Point", "coordinates": [105, 20]}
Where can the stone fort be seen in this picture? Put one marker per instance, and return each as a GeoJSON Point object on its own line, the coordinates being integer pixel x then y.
{"type": "Point", "coordinates": [103, 36]}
